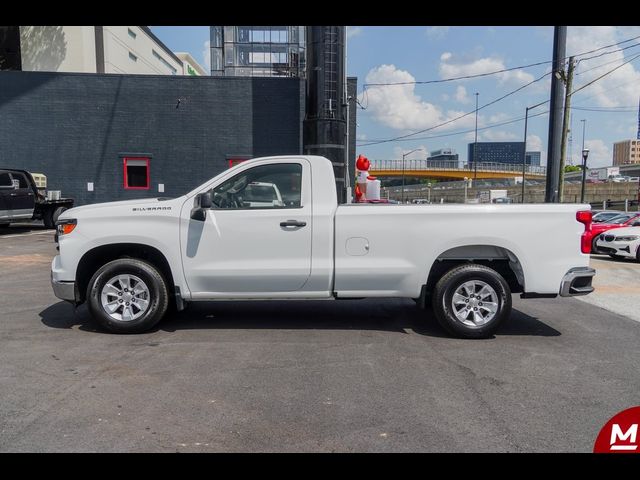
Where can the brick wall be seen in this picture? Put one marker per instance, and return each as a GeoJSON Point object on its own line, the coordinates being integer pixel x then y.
{"type": "Point", "coordinates": [75, 128]}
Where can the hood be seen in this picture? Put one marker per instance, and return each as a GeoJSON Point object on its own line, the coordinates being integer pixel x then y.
{"type": "Point", "coordinates": [627, 231]}
{"type": "Point", "coordinates": [123, 207]}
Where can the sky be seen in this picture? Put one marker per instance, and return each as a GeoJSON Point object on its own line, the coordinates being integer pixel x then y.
{"type": "Point", "coordinates": [382, 55]}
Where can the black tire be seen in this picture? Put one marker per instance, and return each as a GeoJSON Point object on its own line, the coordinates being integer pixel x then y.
{"type": "Point", "coordinates": [51, 216]}
{"type": "Point", "coordinates": [4, 225]}
{"type": "Point", "coordinates": [616, 257]}
{"type": "Point", "coordinates": [451, 281]}
{"type": "Point", "coordinates": [150, 275]}
{"type": "Point", "coordinates": [57, 212]}
{"type": "Point", "coordinates": [594, 248]}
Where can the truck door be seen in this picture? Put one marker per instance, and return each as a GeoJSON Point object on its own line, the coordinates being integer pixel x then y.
{"type": "Point", "coordinates": [6, 189]}
{"type": "Point", "coordinates": [22, 200]}
{"type": "Point", "coordinates": [252, 240]}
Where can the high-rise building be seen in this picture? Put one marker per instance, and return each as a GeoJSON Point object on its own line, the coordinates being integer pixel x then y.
{"type": "Point", "coordinates": [532, 158]}
{"type": "Point", "coordinates": [254, 51]}
{"type": "Point", "coordinates": [445, 158]}
{"type": "Point", "coordinates": [90, 49]}
{"type": "Point", "coordinates": [496, 152]}
{"type": "Point", "coordinates": [626, 152]}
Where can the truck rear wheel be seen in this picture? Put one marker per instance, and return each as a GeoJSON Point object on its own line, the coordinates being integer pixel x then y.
{"type": "Point", "coordinates": [51, 216]}
{"type": "Point", "coordinates": [471, 301]}
{"type": "Point", "coordinates": [127, 296]}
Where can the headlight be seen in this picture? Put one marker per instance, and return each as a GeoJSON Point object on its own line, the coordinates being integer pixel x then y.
{"type": "Point", "coordinates": [65, 227]}
{"type": "Point", "coordinates": [627, 238]}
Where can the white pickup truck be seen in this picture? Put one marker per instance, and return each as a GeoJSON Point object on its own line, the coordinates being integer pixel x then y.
{"type": "Point", "coordinates": [129, 260]}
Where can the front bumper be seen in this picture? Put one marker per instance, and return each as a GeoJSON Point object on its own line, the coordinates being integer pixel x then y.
{"type": "Point", "coordinates": [577, 281]}
{"type": "Point", "coordinates": [64, 290]}
{"type": "Point", "coordinates": [623, 249]}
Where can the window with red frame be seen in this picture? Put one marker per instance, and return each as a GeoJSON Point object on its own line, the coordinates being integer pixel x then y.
{"type": "Point", "coordinates": [136, 173]}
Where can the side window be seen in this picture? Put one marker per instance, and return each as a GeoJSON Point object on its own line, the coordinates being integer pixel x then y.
{"type": "Point", "coordinates": [266, 186]}
{"type": "Point", "coordinates": [20, 178]}
{"type": "Point", "coordinates": [5, 180]}
{"type": "Point", "coordinates": [136, 173]}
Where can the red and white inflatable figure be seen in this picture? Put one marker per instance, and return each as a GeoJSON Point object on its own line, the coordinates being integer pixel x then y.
{"type": "Point", "coordinates": [362, 167]}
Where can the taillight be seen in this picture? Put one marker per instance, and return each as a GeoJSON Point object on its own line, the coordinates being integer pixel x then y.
{"type": "Point", "coordinates": [584, 217]}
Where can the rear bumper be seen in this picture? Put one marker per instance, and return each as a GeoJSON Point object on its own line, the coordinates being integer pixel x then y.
{"type": "Point", "coordinates": [577, 281]}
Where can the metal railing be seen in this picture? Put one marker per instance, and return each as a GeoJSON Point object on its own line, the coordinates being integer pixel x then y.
{"type": "Point", "coordinates": [424, 165]}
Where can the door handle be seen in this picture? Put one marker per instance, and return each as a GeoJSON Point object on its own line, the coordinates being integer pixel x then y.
{"type": "Point", "coordinates": [293, 223]}
{"type": "Point", "coordinates": [14, 195]}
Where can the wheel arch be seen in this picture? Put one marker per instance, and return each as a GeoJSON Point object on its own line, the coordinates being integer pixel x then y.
{"type": "Point", "coordinates": [98, 256]}
{"type": "Point", "coordinates": [500, 259]}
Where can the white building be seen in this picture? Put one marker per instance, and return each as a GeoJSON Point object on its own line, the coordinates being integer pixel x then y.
{"type": "Point", "coordinates": [97, 49]}
{"type": "Point", "coordinates": [191, 67]}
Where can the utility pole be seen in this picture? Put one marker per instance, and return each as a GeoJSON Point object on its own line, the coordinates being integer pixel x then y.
{"type": "Point", "coordinates": [565, 127]}
{"type": "Point", "coordinates": [555, 115]}
{"type": "Point", "coordinates": [475, 143]}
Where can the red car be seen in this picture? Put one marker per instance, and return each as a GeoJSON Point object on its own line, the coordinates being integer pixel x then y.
{"type": "Point", "coordinates": [631, 219]}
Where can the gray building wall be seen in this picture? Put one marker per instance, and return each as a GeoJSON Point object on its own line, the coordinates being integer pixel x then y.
{"type": "Point", "coordinates": [75, 128]}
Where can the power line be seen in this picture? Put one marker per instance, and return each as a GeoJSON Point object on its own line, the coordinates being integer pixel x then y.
{"type": "Point", "coordinates": [464, 77]}
{"type": "Point", "coordinates": [462, 132]}
{"type": "Point", "coordinates": [605, 110]}
{"type": "Point", "coordinates": [477, 75]}
{"type": "Point", "coordinates": [460, 116]}
{"type": "Point", "coordinates": [605, 74]}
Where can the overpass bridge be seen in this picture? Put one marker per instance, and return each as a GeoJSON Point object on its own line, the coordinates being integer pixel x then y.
{"type": "Point", "coordinates": [451, 170]}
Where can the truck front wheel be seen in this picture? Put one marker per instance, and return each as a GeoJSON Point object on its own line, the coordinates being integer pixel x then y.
{"type": "Point", "coordinates": [471, 301]}
{"type": "Point", "coordinates": [127, 296]}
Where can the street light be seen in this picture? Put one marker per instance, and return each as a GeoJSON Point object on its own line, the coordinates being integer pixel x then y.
{"type": "Point", "coordinates": [524, 154]}
{"type": "Point", "coordinates": [403, 157]}
{"type": "Point", "coordinates": [466, 183]}
{"type": "Point", "coordinates": [585, 154]}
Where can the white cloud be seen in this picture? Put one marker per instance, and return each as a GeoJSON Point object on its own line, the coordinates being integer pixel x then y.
{"type": "Point", "coordinates": [353, 31]}
{"type": "Point", "coordinates": [418, 155]}
{"type": "Point", "coordinates": [361, 136]}
{"type": "Point", "coordinates": [461, 95]}
{"type": "Point", "coordinates": [450, 69]}
{"type": "Point", "coordinates": [437, 33]}
{"type": "Point", "coordinates": [206, 56]}
{"type": "Point", "coordinates": [616, 89]}
{"type": "Point", "coordinates": [398, 106]}
{"type": "Point", "coordinates": [599, 154]}
{"type": "Point", "coordinates": [534, 144]}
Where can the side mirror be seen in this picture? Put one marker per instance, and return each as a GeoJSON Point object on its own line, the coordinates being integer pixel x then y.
{"type": "Point", "coordinates": [201, 203]}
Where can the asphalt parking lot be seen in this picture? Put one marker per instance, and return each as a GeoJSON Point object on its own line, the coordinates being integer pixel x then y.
{"type": "Point", "coordinates": [309, 376]}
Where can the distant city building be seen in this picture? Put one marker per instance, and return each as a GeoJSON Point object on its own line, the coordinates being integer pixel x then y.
{"type": "Point", "coordinates": [254, 51]}
{"type": "Point", "coordinates": [446, 157]}
{"type": "Point", "coordinates": [496, 152]}
{"type": "Point", "coordinates": [87, 49]}
{"type": "Point", "coordinates": [190, 65]}
{"type": "Point", "coordinates": [532, 158]}
{"type": "Point", "coordinates": [626, 152]}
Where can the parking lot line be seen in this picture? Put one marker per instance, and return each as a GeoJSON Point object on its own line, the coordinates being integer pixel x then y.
{"type": "Point", "coordinates": [42, 232]}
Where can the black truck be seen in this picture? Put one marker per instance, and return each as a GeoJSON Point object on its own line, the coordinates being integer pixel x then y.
{"type": "Point", "coordinates": [20, 200]}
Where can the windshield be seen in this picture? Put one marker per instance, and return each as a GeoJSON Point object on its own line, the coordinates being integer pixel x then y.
{"type": "Point", "coordinates": [620, 219]}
